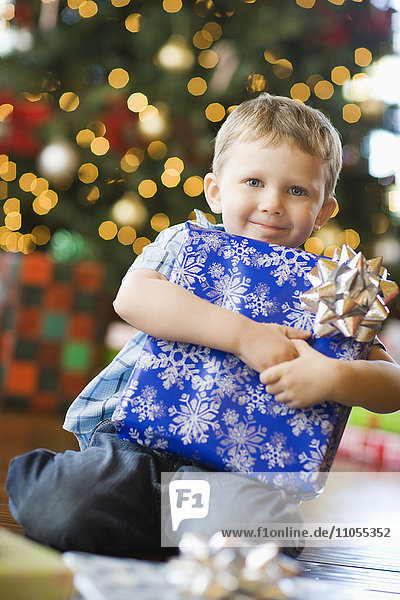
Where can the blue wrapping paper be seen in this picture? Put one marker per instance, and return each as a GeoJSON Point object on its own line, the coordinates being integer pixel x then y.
{"type": "Point", "coordinates": [209, 406]}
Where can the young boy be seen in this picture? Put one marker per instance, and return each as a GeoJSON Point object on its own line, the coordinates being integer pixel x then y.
{"type": "Point", "coordinates": [274, 173]}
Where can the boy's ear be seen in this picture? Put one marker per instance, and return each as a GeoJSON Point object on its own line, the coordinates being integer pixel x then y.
{"type": "Point", "coordinates": [327, 210]}
{"type": "Point", "coordinates": [212, 193]}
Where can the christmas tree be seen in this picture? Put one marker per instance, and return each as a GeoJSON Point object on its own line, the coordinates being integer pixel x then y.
{"type": "Point", "coordinates": [108, 110]}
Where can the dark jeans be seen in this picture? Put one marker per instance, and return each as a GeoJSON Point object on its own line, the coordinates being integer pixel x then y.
{"type": "Point", "coordinates": [106, 499]}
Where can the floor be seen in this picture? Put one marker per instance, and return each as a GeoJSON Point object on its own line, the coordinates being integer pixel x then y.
{"type": "Point", "coordinates": [368, 572]}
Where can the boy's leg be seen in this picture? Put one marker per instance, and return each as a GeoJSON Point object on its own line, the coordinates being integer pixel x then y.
{"type": "Point", "coordinates": [104, 499]}
{"type": "Point", "coordinates": [238, 502]}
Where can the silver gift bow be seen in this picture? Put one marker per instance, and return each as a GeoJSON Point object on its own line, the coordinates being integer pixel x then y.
{"type": "Point", "coordinates": [215, 570]}
{"type": "Point", "coordinates": [349, 295]}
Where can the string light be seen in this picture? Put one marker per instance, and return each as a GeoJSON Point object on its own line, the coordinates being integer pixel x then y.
{"type": "Point", "coordinates": [349, 237]}
{"type": "Point", "coordinates": [100, 146]}
{"type": "Point", "coordinates": [120, 3]}
{"type": "Point", "coordinates": [129, 210]}
{"type": "Point", "coordinates": [107, 230]}
{"type": "Point", "coordinates": [314, 245]}
{"type": "Point", "coordinates": [126, 235]}
{"type": "Point", "coordinates": [193, 186]}
{"type": "Point", "coordinates": [41, 206]}
{"type": "Point", "coordinates": [74, 4]}
{"type": "Point", "coordinates": [197, 86]}
{"type": "Point", "coordinates": [351, 113]}
{"type": "Point", "coordinates": [39, 185]}
{"type": "Point", "coordinates": [300, 91]}
{"type": "Point", "coordinates": [3, 190]}
{"type": "Point", "coordinates": [282, 68]}
{"type": "Point", "coordinates": [340, 75]}
{"type": "Point", "coordinates": [118, 78]}
{"type": "Point", "coordinates": [147, 188]}
{"type": "Point", "coordinates": [41, 234]}
{"type": "Point", "coordinates": [215, 112]}
{"type": "Point", "coordinates": [362, 57]}
{"type": "Point", "coordinates": [305, 4]}
{"type": "Point", "coordinates": [88, 9]}
{"type": "Point", "coordinates": [323, 89]}
{"type": "Point", "coordinates": [159, 222]}
{"type": "Point", "coordinates": [6, 110]}
{"type": "Point", "coordinates": [156, 150]}
{"type": "Point", "coordinates": [139, 244]}
{"type": "Point", "coordinates": [137, 102]}
{"type": "Point", "coordinates": [313, 79]}
{"type": "Point", "coordinates": [208, 59]}
{"type": "Point", "coordinates": [8, 170]}
{"type": "Point", "coordinates": [132, 22]}
{"type": "Point", "coordinates": [26, 180]}
{"type": "Point", "coordinates": [69, 101]}
{"type": "Point", "coordinates": [214, 29]}
{"type": "Point", "coordinates": [331, 250]}
{"type": "Point", "coordinates": [172, 6]}
{"type": "Point", "coordinates": [170, 178]}
{"type": "Point", "coordinates": [256, 83]}
{"type": "Point", "coordinates": [202, 39]}
{"type": "Point", "coordinates": [88, 173]}
{"type": "Point", "coordinates": [175, 55]}
{"type": "Point", "coordinates": [12, 205]}
{"type": "Point", "coordinates": [152, 121]}
{"type": "Point", "coordinates": [84, 138]}
{"type": "Point", "coordinates": [98, 128]}
{"type": "Point", "coordinates": [13, 220]}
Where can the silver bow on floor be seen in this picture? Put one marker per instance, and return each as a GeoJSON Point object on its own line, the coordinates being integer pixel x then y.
{"type": "Point", "coordinates": [215, 569]}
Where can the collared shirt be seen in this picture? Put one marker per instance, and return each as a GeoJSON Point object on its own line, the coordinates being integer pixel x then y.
{"type": "Point", "coordinates": [100, 397]}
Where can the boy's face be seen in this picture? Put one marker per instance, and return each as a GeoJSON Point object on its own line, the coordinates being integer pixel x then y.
{"type": "Point", "coordinates": [271, 193]}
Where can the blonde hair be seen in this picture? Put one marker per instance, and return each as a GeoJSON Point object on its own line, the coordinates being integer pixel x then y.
{"type": "Point", "coordinates": [277, 119]}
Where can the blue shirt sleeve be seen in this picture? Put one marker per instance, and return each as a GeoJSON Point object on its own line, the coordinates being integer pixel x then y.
{"type": "Point", "coordinates": [160, 255]}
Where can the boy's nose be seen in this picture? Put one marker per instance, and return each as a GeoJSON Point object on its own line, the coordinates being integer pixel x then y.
{"type": "Point", "coordinates": [270, 201]}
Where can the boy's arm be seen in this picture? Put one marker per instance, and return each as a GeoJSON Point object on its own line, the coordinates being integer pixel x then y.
{"type": "Point", "coordinates": [313, 377]}
{"type": "Point", "coordinates": [151, 303]}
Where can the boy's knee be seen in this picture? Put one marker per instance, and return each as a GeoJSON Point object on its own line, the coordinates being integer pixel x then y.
{"type": "Point", "coordinates": [48, 507]}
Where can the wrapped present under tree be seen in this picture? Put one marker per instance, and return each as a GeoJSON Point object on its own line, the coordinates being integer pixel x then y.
{"type": "Point", "coordinates": [53, 318]}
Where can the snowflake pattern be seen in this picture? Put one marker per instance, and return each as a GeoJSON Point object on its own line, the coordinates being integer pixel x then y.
{"type": "Point", "coordinates": [277, 453]}
{"type": "Point", "coordinates": [260, 301]}
{"type": "Point", "coordinates": [145, 405]}
{"type": "Point", "coordinates": [193, 418]}
{"type": "Point", "coordinates": [209, 406]}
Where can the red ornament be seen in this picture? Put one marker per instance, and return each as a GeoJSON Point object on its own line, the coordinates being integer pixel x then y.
{"type": "Point", "coordinates": [18, 133]}
{"type": "Point", "coordinates": [121, 126]}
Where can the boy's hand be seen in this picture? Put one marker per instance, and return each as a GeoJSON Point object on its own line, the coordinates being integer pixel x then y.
{"type": "Point", "coordinates": [263, 345]}
{"type": "Point", "coordinates": [305, 381]}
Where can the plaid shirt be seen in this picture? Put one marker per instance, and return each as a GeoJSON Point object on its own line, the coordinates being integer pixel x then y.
{"type": "Point", "coordinates": [100, 397]}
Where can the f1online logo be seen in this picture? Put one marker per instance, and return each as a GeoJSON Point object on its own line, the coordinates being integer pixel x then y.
{"type": "Point", "coordinates": [189, 499]}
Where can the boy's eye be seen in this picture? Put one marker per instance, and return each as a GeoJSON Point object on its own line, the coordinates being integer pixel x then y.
{"type": "Point", "coordinates": [296, 190]}
{"type": "Point", "coordinates": [253, 182]}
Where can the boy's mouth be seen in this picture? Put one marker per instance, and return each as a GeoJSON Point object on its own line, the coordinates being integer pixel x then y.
{"type": "Point", "coordinates": [267, 226]}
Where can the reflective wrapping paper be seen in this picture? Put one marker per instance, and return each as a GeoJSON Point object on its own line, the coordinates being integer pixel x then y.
{"type": "Point", "coordinates": [210, 407]}
{"type": "Point", "coordinates": [349, 295]}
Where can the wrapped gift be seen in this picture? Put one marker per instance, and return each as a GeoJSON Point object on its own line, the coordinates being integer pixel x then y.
{"type": "Point", "coordinates": [53, 318]}
{"type": "Point", "coordinates": [30, 570]}
{"type": "Point", "coordinates": [209, 406]}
